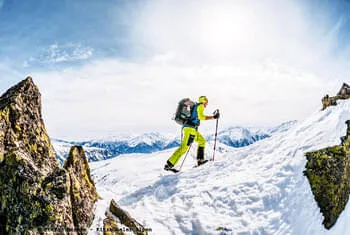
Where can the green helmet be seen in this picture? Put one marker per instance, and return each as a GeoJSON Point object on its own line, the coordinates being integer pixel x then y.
{"type": "Point", "coordinates": [203, 99]}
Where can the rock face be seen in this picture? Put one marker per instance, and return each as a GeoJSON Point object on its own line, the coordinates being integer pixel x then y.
{"type": "Point", "coordinates": [110, 225]}
{"type": "Point", "coordinates": [344, 93]}
{"type": "Point", "coordinates": [83, 191]}
{"type": "Point", "coordinates": [22, 127]}
{"type": "Point", "coordinates": [328, 172]}
{"type": "Point", "coordinates": [35, 190]}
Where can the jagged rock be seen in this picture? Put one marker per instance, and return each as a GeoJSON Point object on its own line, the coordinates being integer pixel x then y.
{"type": "Point", "coordinates": [35, 195]}
{"type": "Point", "coordinates": [126, 219]}
{"type": "Point", "coordinates": [22, 127]}
{"type": "Point", "coordinates": [83, 191]}
{"type": "Point", "coordinates": [27, 162]}
{"type": "Point", "coordinates": [344, 93]}
{"type": "Point", "coordinates": [328, 172]}
{"type": "Point", "coordinates": [328, 101]}
{"type": "Point", "coordinates": [110, 225]}
{"type": "Point", "coordinates": [344, 90]}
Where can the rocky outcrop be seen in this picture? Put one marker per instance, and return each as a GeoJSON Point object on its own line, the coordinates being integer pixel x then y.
{"type": "Point", "coordinates": [328, 172]}
{"type": "Point", "coordinates": [110, 224]}
{"type": "Point", "coordinates": [22, 127]}
{"type": "Point", "coordinates": [83, 191]}
{"type": "Point", "coordinates": [35, 195]}
{"type": "Point", "coordinates": [344, 93]}
{"type": "Point", "coordinates": [344, 90]}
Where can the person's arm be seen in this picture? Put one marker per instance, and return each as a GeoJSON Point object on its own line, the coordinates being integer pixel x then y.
{"type": "Point", "coordinates": [201, 115]}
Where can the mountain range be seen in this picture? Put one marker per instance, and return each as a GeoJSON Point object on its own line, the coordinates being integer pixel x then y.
{"type": "Point", "coordinates": [106, 148]}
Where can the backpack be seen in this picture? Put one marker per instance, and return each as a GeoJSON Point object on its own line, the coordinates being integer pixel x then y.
{"type": "Point", "coordinates": [184, 111]}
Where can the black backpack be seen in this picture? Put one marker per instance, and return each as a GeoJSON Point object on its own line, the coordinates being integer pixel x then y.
{"type": "Point", "coordinates": [184, 111]}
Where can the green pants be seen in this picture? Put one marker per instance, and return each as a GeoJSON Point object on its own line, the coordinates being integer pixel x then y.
{"type": "Point", "coordinates": [190, 135]}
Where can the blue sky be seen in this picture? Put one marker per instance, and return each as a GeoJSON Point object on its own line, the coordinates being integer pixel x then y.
{"type": "Point", "coordinates": [29, 28]}
{"type": "Point", "coordinates": [102, 65]}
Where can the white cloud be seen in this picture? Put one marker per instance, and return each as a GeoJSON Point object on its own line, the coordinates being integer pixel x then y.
{"type": "Point", "coordinates": [57, 53]}
{"type": "Point", "coordinates": [111, 96]}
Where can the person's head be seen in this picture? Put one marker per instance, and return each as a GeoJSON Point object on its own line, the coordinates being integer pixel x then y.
{"type": "Point", "coordinates": [203, 100]}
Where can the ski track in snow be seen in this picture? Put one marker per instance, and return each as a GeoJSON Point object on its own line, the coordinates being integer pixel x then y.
{"type": "Point", "coordinates": [258, 189]}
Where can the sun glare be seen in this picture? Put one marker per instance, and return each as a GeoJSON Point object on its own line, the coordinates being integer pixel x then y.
{"type": "Point", "coordinates": [224, 28]}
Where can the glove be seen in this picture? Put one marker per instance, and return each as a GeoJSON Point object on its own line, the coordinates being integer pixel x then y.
{"type": "Point", "coordinates": [216, 115]}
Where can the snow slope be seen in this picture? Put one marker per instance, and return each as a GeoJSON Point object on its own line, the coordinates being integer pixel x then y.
{"type": "Point", "coordinates": [258, 189]}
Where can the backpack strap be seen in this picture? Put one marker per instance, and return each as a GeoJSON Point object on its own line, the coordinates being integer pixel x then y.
{"type": "Point", "coordinates": [194, 121]}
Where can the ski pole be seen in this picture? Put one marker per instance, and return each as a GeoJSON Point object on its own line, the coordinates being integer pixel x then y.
{"type": "Point", "coordinates": [216, 133]}
{"type": "Point", "coordinates": [185, 156]}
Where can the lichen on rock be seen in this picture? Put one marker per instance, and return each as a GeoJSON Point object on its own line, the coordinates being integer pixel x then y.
{"type": "Point", "coordinates": [83, 191]}
{"type": "Point", "coordinates": [125, 219]}
{"type": "Point", "coordinates": [35, 195]}
{"type": "Point", "coordinates": [110, 225]}
{"type": "Point", "coordinates": [27, 161]}
{"type": "Point", "coordinates": [328, 172]}
{"type": "Point", "coordinates": [332, 100]}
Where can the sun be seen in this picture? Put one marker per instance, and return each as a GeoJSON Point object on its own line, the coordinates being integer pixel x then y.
{"type": "Point", "coordinates": [226, 27]}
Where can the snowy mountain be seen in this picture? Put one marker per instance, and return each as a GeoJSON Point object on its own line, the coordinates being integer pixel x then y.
{"type": "Point", "coordinates": [152, 142]}
{"type": "Point", "coordinates": [239, 137]}
{"type": "Point", "coordinates": [62, 148]}
{"type": "Point", "coordinates": [259, 189]}
{"type": "Point", "coordinates": [114, 146]}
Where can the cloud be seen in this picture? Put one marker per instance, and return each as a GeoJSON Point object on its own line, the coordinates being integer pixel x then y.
{"type": "Point", "coordinates": [113, 96]}
{"type": "Point", "coordinates": [59, 53]}
{"type": "Point", "coordinates": [2, 3]}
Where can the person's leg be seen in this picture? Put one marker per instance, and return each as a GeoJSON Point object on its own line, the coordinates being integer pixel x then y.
{"type": "Point", "coordinates": [189, 136]}
{"type": "Point", "coordinates": [200, 150]}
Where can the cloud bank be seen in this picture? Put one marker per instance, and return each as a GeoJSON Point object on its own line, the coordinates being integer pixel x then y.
{"type": "Point", "coordinates": [112, 96]}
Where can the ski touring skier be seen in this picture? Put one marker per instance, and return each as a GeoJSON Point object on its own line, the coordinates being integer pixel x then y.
{"type": "Point", "coordinates": [190, 134]}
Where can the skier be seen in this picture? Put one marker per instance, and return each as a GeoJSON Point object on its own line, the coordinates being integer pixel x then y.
{"type": "Point", "coordinates": [191, 133]}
